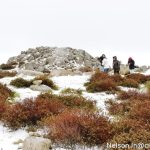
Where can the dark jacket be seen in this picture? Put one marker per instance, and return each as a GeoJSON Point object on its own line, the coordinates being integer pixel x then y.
{"type": "Point", "coordinates": [116, 64]}
{"type": "Point", "coordinates": [101, 59]}
{"type": "Point", "coordinates": [131, 64]}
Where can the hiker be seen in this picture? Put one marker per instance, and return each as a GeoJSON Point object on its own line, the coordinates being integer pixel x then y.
{"type": "Point", "coordinates": [116, 65]}
{"type": "Point", "coordinates": [105, 65]}
{"type": "Point", "coordinates": [100, 59]}
{"type": "Point", "coordinates": [131, 64]}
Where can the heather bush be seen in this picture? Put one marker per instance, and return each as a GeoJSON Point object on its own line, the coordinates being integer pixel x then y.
{"type": "Point", "coordinates": [7, 74]}
{"type": "Point", "coordinates": [117, 78]}
{"type": "Point", "coordinates": [133, 95]}
{"type": "Point", "coordinates": [78, 126]}
{"type": "Point", "coordinates": [5, 93]}
{"type": "Point", "coordinates": [47, 81]}
{"type": "Point", "coordinates": [126, 125]}
{"type": "Point", "coordinates": [118, 109]}
{"type": "Point", "coordinates": [140, 136]}
{"type": "Point", "coordinates": [71, 91]}
{"type": "Point", "coordinates": [140, 78]}
{"type": "Point", "coordinates": [147, 85]}
{"type": "Point", "coordinates": [30, 111]}
{"type": "Point", "coordinates": [102, 85]}
{"type": "Point", "coordinates": [141, 111]}
{"type": "Point", "coordinates": [20, 82]}
{"type": "Point", "coordinates": [71, 101]}
{"type": "Point", "coordinates": [129, 83]}
{"type": "Point", "coordinates": [98, 76]}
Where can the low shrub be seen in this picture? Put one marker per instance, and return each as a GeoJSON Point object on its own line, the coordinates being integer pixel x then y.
{"type": "Point", "coordinates": [3, 106]}
{"type": "Point", "coordinates": [141, 111]}
{"type": "Point", "coordinates": [5, 93]}
{"type": "Point", "coordinates": [78, 126]}
{"type": "Point", "coordinates": [133, 95]}
{"type": "Point", "coordinates": [102, 85]}
{"type": "Point", "coordinates": [7, 66]}
{"type": "Point", "coordinates": [71, 91]}
{"type": "Point", "coordinates": [126, 125]}
{"type": "Point", "coordinates": [20, 82]}
{"type": "Point", "coordinates": [7, 74]}
{"type": "Point", "coordinates": [47, 81]}
{"type": "Point", "coordinates": [30, 111]}
{"type": "Point", "coordinates": [119, 109]}
{"type": "Point", "coordinates": [129, 83]}
{"type": "Point", "coordinates": [127, 139]}
{"type": "Point", "coordinates": [147, 85]}
{"type": "Point", "coordinates": [140, 78]}
{"type": "Point", "coordinates": [98, 76]}
{"type": "Point", "coordinates": [71, 101]}
{"type": "Point", "coordinates": [117, 78]}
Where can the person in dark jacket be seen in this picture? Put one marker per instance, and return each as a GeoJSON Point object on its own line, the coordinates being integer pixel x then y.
{"type": "Point", "coordinates": [100, 59]}
{"type": "Point", "coordinates": [131, 64]}
{"type": "Point", "coordinates": [116, 65]}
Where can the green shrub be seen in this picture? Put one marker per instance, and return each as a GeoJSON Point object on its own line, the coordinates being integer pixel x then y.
{"type": "Point", "coordinates": [71, 91]}
{"type": "Point", "coordinates": [47, 81]}
{"type": "Point", "coordinates": [7, 66]}
{"type": "Point", "coordinates": [20, 82]}
{"type": "Point", "coordinates": [147, 85]}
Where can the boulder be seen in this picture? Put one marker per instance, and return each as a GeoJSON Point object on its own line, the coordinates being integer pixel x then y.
{"type": "Point", "coordinates": [41, 88]}
{"type": "Point", "coordinates": [36, 143]}
{"type": "Point", "coordinates": [37, 82]}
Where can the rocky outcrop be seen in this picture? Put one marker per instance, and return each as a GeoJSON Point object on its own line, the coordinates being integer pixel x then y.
{"type": "Point", "coordinates": [53, 58]}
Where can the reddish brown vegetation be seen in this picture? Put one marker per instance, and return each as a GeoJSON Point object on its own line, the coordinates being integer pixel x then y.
{"type": "Point", "coordinates": [78, 126]}
{"type": "Point", "coordinates": [7, 74]}
{"type": "Point", "coordinates": [30, 111]}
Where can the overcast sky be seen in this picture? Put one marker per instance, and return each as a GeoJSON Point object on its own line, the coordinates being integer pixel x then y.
{"type": "Point", "coordinates": [113, 27]}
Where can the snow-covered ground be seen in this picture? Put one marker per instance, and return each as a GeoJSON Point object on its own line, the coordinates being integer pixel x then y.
{"type": "Point", "coordinates": [7, 137]}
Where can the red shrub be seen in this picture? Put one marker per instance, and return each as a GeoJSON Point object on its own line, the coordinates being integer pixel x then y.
{"type": "Point", "coordinates": [103, 85]}
{"type": "Point", "coordinates": [5, 93]}
{"type": "Point", "coordinates": [129, 83]}
{"type": "Point", "coordinates": [126, 125]}
{"type": "Point", "coordinates": [140, 78]}
{"type": "Point", "coordinates": [133, 95]}
{"type": "Point", "coordinates": [71, 101]}
{"type": "Point", "coordinates": [141, 111]}
{"type": "Point", "coordinates": [78, 126]}
{"type": "Point", "coordinates": [7, 74]}
{"type": "Point", "coordinates": [30, 111]}
{"type": "Point", "coordinates": [117, 78]}
{"type": "Point", "coordinates": [99, 76]}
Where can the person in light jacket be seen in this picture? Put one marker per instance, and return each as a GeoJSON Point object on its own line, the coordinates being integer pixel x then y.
{"type": "Point", "coordinates": [105, 65]}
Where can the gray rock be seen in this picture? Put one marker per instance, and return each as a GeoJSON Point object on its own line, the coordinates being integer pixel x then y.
{"type": "Point", "coordinates": [36, 143]}
{"type": "Point", "coordinates": [37, 82]}
{"type": "Point", "coordinates": [54, 58]}
{"type": "Point", "coordinates": [41, 88]}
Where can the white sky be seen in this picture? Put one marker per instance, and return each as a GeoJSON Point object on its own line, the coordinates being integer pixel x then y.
{"type": "Point", "coordinates": [113, 27]}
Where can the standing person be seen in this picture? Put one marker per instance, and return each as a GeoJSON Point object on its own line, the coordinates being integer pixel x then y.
{"type": "Point", "coordinates": [116, 65]}
{"type": "Point", "coordinates": [100, 59]}
{"type": "Point", "coordinates": [105, 64]}
{"type": "Point", "coordinates": [131, 64]}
